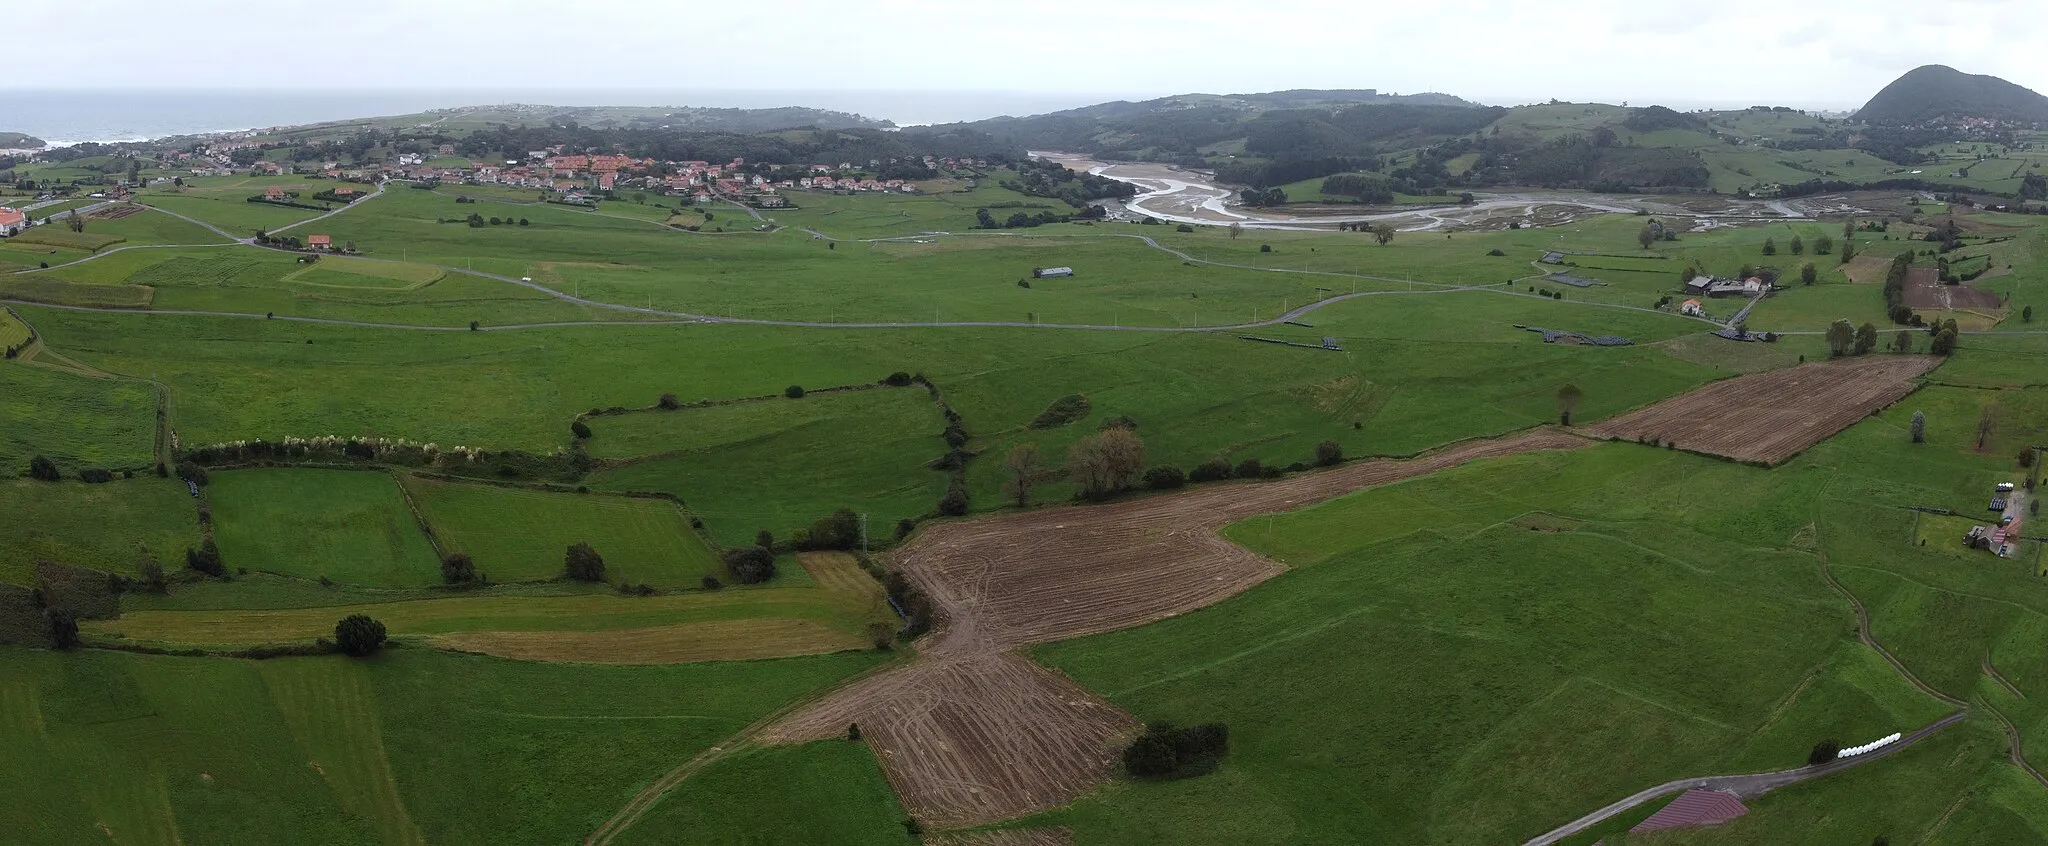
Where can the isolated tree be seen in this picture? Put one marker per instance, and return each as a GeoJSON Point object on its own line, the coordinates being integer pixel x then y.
{"type": "Point", "coordinates": [63, 628]}
{"type": "Point", "coordinates": [1866, 338]}
{"type": "Point", "coordinates": [1902, 342]}
{"type": "Point", "coordinates": [457, 569]}
{"type": "Point", "coordinates": [794, 392]}
{"type": "Point", "coordinates": [583, 563]}
{"type": "Point", "coordinates": [1770, 246]}
{"type": "Point", "coordinates": [1106, 463]}
{"type": "Point", "coordinates": [1809, 274]}
{"type": "Point", "coordinates": [1823, 245]}
{"type": "Point", "coordinates": [1944, 342]}
{"type": "Point", "coordinates": [1919, 427]}
{"type": "Point", "coordinates": [1646, 236]}
{"type": "Point", "coordinates": [1841, 335]}
{"type": "Point", "coordinates": [1025, 472]}
{"type": "Point", "coordinates": [1823, 752]}
{"type": "Point", "coordinates": [1848, 251]}
{"type": "Point", "coordinates": [1987, 424]}
{"type": "Point", "coordinates": [359, 635]}
{"type": "Point", "coordinates": [1568, 397]}
{"type": "Point", "coordinates": [1382, 233]}
{"type": "Point", "coordinates": [152, 575]}
{"type": "Point", "coordinates": [76, 223]}
{"type": "Point", "coordinates": [2027, 314]}
{"type": "Point", "coordinates": [43, 468]}
{"type": "Point", "coordinates": [1329, 454]}
{"type": "Point", "coordinates": [1848, 229]}
{"type": "Point", "coordinates": [1798, 246]}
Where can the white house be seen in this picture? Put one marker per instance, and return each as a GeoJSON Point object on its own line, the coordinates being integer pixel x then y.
{"type": "Point", "coordinates": [12, 221]}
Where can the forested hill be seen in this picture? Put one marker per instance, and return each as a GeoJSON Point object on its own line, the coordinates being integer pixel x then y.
{"type": "Point", "coordinates": [1180, 125]}
{"type": "Point", "coordinates": [1938, 92]}
{"type": "Point", "coordinates": [19, 141]}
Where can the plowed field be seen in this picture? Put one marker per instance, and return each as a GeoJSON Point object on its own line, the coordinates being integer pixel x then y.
{"type": "Point", "coordinates": [972, 732]}
{"type": "Point", "coordinates": [1770, 417]}
{"type": "Point", "coordinates": [1925, 291]}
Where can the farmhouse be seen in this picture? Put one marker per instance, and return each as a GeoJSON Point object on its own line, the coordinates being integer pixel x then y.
{"type": "Point", "coordinates": [320, 242]}
{"type": "Point", "coordinates": [1712, 286]}
{"type": "Point", "coordinates": [1692, 308]}
{"type": "Point", "coordinates": [275, 193]}
{"type": "Point", "coordinates": [12, 221]}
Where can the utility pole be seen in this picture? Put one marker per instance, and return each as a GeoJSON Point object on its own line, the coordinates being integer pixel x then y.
{"type": "Point", "coordinates": [863, 533]}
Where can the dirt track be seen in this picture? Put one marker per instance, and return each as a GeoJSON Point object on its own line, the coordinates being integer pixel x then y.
{"type": "Point", "coordinates": [972, 732]}
{"type": "Point", "coordinates": [1773, 416]}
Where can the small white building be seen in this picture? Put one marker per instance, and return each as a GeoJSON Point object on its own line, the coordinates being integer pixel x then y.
{"type": "Point", "coordinates": [1051, 272]}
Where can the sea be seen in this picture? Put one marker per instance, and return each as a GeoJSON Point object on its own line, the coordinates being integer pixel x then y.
{"type": "Point", "coordinates": [64, 117]}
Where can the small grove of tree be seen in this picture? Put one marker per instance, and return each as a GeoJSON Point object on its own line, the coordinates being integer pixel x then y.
{"type": "Point", "coordinates": [1866, 338]}
{"type": "Point", "coordinates": [1568, 398]}
{"type": "Point", "coordinates": [1166, 751]}
{"type": "Point", "coordinates": [1919, 427]}
{"type": "Point", "coordinates": [206, 557]}
{"type": "Point", "coordinates": [358, 635]}
{"type": "Point", "coordinates": [1024, 473]}
{"type": "Point", "coordinates": [41, 467]}
{"type": "Point", "coordinates": [1329, 454]}
{"type": "Point", "coordinates": [1165, 477]}
{"type": "Point", "coordinates": [1823, 752]}
{"type": "Point", "coordinates": [1841, 336]}
{"type": "Point", "coordinates": [457, 569]}
{"type": "Point", "coordinates": [1106, 463]}
{"type": "Point", "coordinates": [1809, 274]}
{"type": "Point", "coordinates": [749, 565]}
{"type": "Point", "coordinates": [838, 530]}
{"type": "Point", "coordinates": [583, 563]}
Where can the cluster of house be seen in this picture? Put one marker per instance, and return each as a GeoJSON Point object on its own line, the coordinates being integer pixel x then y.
{"type": "Point", "coordinates": [1715, 286]}
{"type": "Point", "coordinates": [2002, 539]}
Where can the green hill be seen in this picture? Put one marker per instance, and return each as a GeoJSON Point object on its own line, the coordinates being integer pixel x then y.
{"type": "Point", "coordinates": [13, 140]}
{"type": "Point", "coordinates": [1934, 92]}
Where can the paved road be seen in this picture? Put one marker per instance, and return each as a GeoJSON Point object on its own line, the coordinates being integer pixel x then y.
{"type": "Point", "coordinates": [1745, 786]}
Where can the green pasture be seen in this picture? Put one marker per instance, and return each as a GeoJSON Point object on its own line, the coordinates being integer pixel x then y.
{"type": "Point", "coordinates": [112, 526]}
{"type": "Point", "coordinates": [1645, 641]}
{"type": "Point", "coordinates": [523, 535]}
{"type": "Point", "coordinates": [865, 450]}
{"type": "Point", "coordinates": [352, 527]}
{"type": "Point", "coordinates": [740, 798]}
{"type": "Point", "coordinates": [77, 421]}
{"type": "Point", "coordinates": [390, 750]}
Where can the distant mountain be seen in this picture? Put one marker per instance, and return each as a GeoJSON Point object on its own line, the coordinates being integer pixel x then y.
{"type": "Point", "coordinates": [1933, 92]}
{"type": "Point", "coordinates": [19, 141]}
{"type": "Point", "coordinates": [1181, 125]}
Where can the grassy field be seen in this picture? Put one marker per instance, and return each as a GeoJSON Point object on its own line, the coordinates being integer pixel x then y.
{"type": "Point", "coordinates": [110, 527]}
{"type": "Point", "coordinates": [860, 449]}
{"type": "Point", "coordinates": [352, 527]}
{"type": "Point", "coordinates": [148, 749]}
{"type": "Point", "coordinates": [77, 421]}
{"type": "Point", "coordinates": [521, 535]}
{"type": "Point", "coordinates": [1604, 664]}
{"type": "Point", "coordinates": [740, 798]}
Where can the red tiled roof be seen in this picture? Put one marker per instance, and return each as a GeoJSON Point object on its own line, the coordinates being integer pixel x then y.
{"type": "Point", "coordinates": [10, 217]}
{"type": "Point", "coordinates": [320, 239]}
{"type": "Point", "coordinates": [1694, 808]}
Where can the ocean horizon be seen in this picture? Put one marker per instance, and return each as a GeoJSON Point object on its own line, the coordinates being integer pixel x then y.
{"type": "Point", "coordinates": [63, 117]}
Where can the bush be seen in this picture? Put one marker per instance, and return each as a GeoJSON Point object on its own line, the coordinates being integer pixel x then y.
{"type": "Point", "coordinates": [1166, 751]}
{"type": "Point", "coordinates": [206, 558]}
{"type": "Point", "coordinates": [1165, 477]}
{"type": "Point", "coordinates": [1062, 411]}
{"type": "Point", "coordinates": [63, 629]}
{"type": "Point", "coordinates": [897, 379]}
{"type": "Point", "coordinates": [954, 503]}
{"type": "Point", "coordinates": [764, 539]}
{"type": "Point", "coordinates": [712, 583]}
{"type": "Point", "coordinates": [794, 392]}
{"type": "Point", "coordinates": [1265, 248]}
{"type": "Point", "coordinates": [1183, 229]}
{"type": "Point", "coordinates": [904, 527]}
{"type": "Point", "coordinates": [583, 563]}
{"type": "Point", "coordinates": [358, 635]}
{"type": "Point", "coordinates": [1823, 752]}
{"type": "Point", "coordinates": [1213, 470]}
{"type": "Point", "coordinates": [1329, 454]}
{"type": "Point", "coordinates": [95, 476]}
{"type": "Point", "coordinates": [840, 530]}
{"type": "Point", "coordinates": [668, 402]}
{"type": "Point", "coordinates": [458, 569]}
{"type": "Point", "coordinates": [1495, 252]}
{"type": "Point", "coordinates": [43, 468]}
{"type": "Point", "coordinates": [1251, 468]}
{"type": "Point", "coordinates": [581, 431]}
{"type": "Point", "coordinates": [749, 565]}
{"type": "Point", "coordinates": [190, 471]}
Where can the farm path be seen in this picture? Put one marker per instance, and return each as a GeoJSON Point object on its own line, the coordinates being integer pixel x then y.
{"type": "Point", "coordinates": [972, 732]}
{"type": "Point", "coordinates": [1744, 786]}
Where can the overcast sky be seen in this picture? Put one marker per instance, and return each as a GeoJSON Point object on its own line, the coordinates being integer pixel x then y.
{"type": "Point", "coordinates": [1735, 52]}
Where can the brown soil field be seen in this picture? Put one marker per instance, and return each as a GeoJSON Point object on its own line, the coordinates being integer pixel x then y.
{"type": "Point", "coordinates": [1006, 837]}
{"type": "Point", "coordinates": [114, 213]}
{"type": "Point", "coordinates": [1925, 291]}
{"type": "Point", "coordinates": [1867, 268]}
{"type": "Point", "coordinates": [716, 640]}
{"type": "Point", "coordinates": [1770, 417]}
{"type": "Point", "coordinates": [973, 733]}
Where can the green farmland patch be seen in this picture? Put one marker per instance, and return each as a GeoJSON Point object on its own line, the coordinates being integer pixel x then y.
{"type": "Point", "coordinates": [111, 527]}
{"type": "Point", "coordinates": [522, 535]}
{"type": "Point", "coordinates": [352, 527]}
{"type": "Point", "coordinates": [77, 421]}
